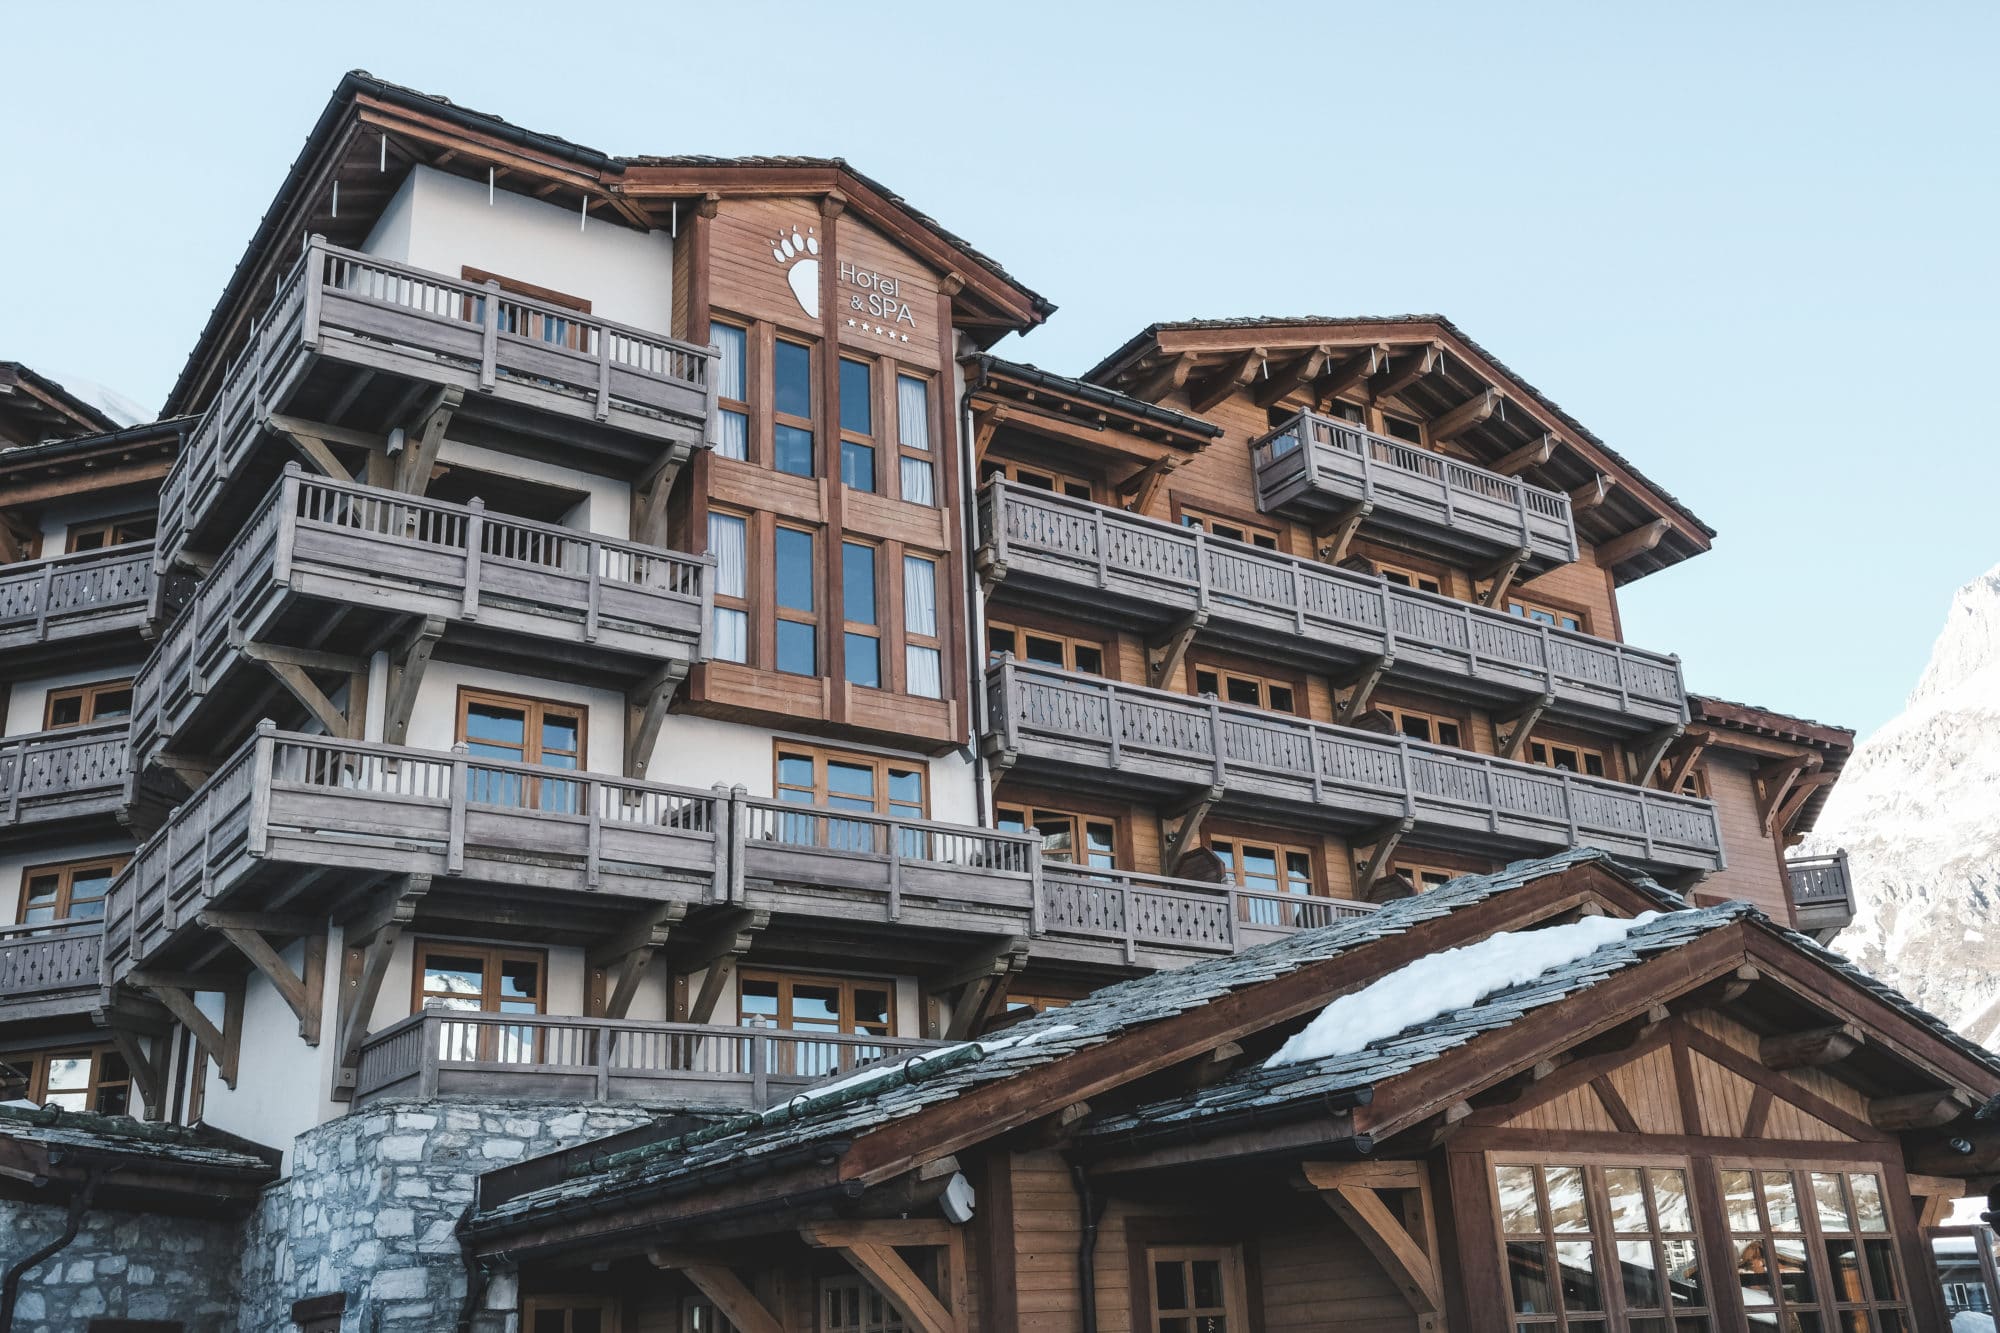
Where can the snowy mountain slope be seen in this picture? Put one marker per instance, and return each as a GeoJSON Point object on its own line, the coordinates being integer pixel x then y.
{"type": "Point", "coordinates": [1918, 810]}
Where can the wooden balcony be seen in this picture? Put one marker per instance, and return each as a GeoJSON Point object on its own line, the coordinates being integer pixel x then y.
{"type": "Point", "coordinates": [53, 779]}
{"type": "Point", "coordinates": [322, 562]}
{"type": "Point", "coordinates": [54, 610]}
{"type": "Point", "coordinates": [1151, 576]}
{"type": "Point", "coordinates": [1317, 469]}
{"type": "Point", "coordinates": [1156, 922]}
{"type": "Point", "coordinates": [1822, 894]}
{"type": "Point", "coordinates": [442, 1053]}
{"type": "Point", "coordinates": [1173, 749]}
{"type": "Point", "coordinates": [352, 340]}
{"type": "Point", "coordinates": [50, 971]}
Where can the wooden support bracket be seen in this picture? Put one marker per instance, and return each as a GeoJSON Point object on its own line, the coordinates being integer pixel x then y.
{"type": "Point", "coordinates": [149, 1069]}
{"type": "Point", "coordinates": [1347, 374]}
{"type": "Point", "coordinates": [1424, 363]}
{"type": "Point", "coordinates": [620, 961]}
{"type": "Point", "coordinates": [1652, 748]}
{"type": "Point", "coordinates": [1350, 707]}
{"type": "Point", "coordinates": [252, 933]}
{"type": "Point", "coordinates": [1466, 415]}
{"type": "Point", "coordinates": [1333, 540]}
{"type": "Point", "coordinates": [718, 1282]}
{"type": "Point", "coordinates": [423, 438]}
{"type": "Point", "coordinates": [1239, 373]}
{"type": "Point", "coordinates": [175, 992]}
{"type": "Point", "coordinates": [1918, 1110]}
{"type": "Point", "coordinates": [1683, 764]}
{"type": "Point", "coordinates": [1513, 743]}
{"type": "Point", "coordinates": [1774, 783]}
{"type": "Point", "coordinates": [1165, 654]}
{"type": "Point", "coordinates": [369, 940]}
{"type": "Point", "coordinates": [1381, 846]}
{"type": "Point", "coordinates": [1499, 576]}
{"type": "Point", "coordinates": [877, 1261]}
{"type": "Point", "coordinates": [407, 663]}
{"type": "Point", "coordinates": [717, 943]}
{"type": "Point", "coordinates": [1180, 831]}
{"type": "Point", "coordinates": [978, 988]}
{"type": "Point", "coordinates": [1809, 1050]}
{"type": "Point", "coordinates": [1406, 1246]}
{"type": "Point", "coordinates": [646, 712]}
{"type": "Point", "coordinates": [1532, 454]}
{"type": "Point", "coordinates": [650, 494]}
{"type": "Point", "coordinates": [1298, 371]}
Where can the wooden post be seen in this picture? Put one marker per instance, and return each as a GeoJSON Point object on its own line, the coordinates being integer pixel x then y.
{"type": "Point", "coordinates": [475, 542]}
{"type": "Point", "coordinates": [489, 345]}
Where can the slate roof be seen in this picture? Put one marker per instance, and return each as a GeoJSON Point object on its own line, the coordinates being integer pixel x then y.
{"type": "Point", "coordinates": [1085, 391]}
{"type": "Point", "coordinates": [751, 1143]}
{"type": "Point", "coordinates": [1274, 321]}
{"type": "Point", "coordinates": [54, 1128]}
{"type": "Point", "coordinates": [1315, 1083]}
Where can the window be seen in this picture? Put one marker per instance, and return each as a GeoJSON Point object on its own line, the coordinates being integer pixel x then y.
{"type": "Point", "coordinates": [862, 633]}
{"type": "Point", "coordinates": [798, 622]}
{"type": "Point", "coordinates": [850, 1305]}
{"type": "Point", "coordinates": [1396, 428]}
{"type": "Point", "coordinates": [1695, 784]}
{"type": "Point", "coordinates": [89, 1078]}
{"type": "Point", "coordinates": [913, 439]}
{"type": "Point", "coordinates": [573, 1314]}
{"type": "Point", "coordinates": [1036, 1004]}
{"type": "Point", "coordinates": [1195, 1289]}
{"type": "Point", "coordinates": [522, 731]}
{"type": "Point", "coordinates": [1041, 478]}
{"type": "Point", "coordinates": [1544, 615]}
{"type": "Point", "coordinates": [1813, 1249]}
{"type": "Point", "coordinates": [1567, 758]}
{"type": "Point", "coordinates": [1423, 726]}
{"type": "Point", "coordinates": [923, 648]}
{"type": "Point", "coordinates": [81, 705]}
{"type": "Point", "coordinates": [1032, 645]}
{"type": "Point", "coordinates": [1424, 878]}
{"type": "Point", "coordinates": [732, 380]}
{"type": "Point", "coordinates": [477, 979]}
{"type": "Point", "coordinates": [1410, 578]}
{"type": "Point", "coordinates": [699, 1315]}
{"type": "Point", "coordinates": [833, 1006]}
{"type": "Point", "coordinates": [1236, 687]}
{"type": "Point", "coordinates": [1263, 868]}
{"type": "Point", "coordinates": [100, 533]}
{"type": "Point", "coordinates": [857, 425]}
{"type": "Point", "coordinates": [71, 891]}
{"type": "Point", "coordinates": [1596, 1249]}
{"type": "Point", "coordinates": [1230, 529]}
{"type": "Point", "coordinates": [1073, 839]}
{"type": "Point", "coordinates": [874, 784]}
{"type": "Point", "coordinates": [792, 408]}
{"type": "Point", "coordinates": [729, 543]}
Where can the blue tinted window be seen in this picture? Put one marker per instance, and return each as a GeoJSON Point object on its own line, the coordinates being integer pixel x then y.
{"type": "Point", "coordinates": [857, 582]}
{"type": "Point", "coordinates": [798, 648]}
{"type": "Point", "coordinates": [794, 566]}
{"type": "Point", "coordinates": [857, 397]}
{"type": "Point", "coordinates": [791, 376]}
{"type": "Point", "coordinates": [792, 450]}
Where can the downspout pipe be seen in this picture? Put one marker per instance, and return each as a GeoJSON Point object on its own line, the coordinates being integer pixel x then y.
{"type": "Point", "coordinates": [10, 1285]}
{"type": "Point", "coordinates": [1090, 1209]}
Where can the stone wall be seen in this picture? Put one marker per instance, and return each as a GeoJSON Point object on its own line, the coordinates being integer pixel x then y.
{"type": "Point", "coordinates": [373, 1200]}
{"type": "Point", "coordinates": [121, 1266]}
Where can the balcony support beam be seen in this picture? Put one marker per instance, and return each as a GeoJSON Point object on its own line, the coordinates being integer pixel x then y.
{"type": "Point", "coordinates": [1165, 653]}
{"type": "Point", "coordinates": [1333, 540]}
{"type": "Point", "coordinates": [1343, 376]}
{"type": "Point", "coordinates": [1144, 485]}
{"type": "Point", "coordinates": [620, 962]}
{"type": "Point", "coordinates": [1299, 370]}
{"type": "Point", "coordinates": [715, 944]}
{"type": "Point", "coordinates": [1802, 792]}
{"type": "Point", "coordinates": [1405, 1246]}
{"type": "Point", "coordinates": [250, 932]}
{"type": "Point", "coordinates": [1532, 454]}
{"type": "Point", "coordinates": [1774, 783]}
{"type": "Point", "coordinates": [1179, 831]}
{"type": "Point", "coordinates": [646, 712]}
{"type": "Point", "coordinates": [978, 988]}
{"type": "Point", "coordinates": [1424, 363]}
{"type": "Point", "coordinates": [1466, 415]}
{"type": "Point", "coordinates": [16, 538]}
{"type": "Point", "coordinates": [1380, 846]}
{"type": "Point", "coordinates": [149, 1069]}
{"type": "Point", "coordinates": [290, 666]}
{"type": "Point", "coordinates": [649, 495]}
{"type": "Point", "coordinates": [870, 1249]}
{"type": "Point", "coordinates": [421, 441]}
{"type": "Point", "coordinates": [369, 940]}
{"type": "Point", "coordinates": [1206, 392]}
{"type": "Point", "coordinates": [408, 661]}
{"type": "Point", "coordinates": [1499, 576]}
{"type": "Point", "coordinates": [1652, 748]}
{"type": "Point", "coordinates": [1513, 743]}
{"type": "Point", "coordinates": [1351, 708]}
{"type": "Point", "coordinates": [176, 991]}
{"type": "Point", "coordinates": [309, 438]}
{"type": "Point", "coordinates": [718, 1282]}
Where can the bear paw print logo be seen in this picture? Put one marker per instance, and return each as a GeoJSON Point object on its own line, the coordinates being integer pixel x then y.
{"type": "Point", "coordinates": [799, 255]}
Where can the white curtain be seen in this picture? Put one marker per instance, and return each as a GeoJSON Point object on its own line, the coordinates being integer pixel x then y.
{"type": "Point", "coordinates": [921, 665]}
{"type": "Point", "coordinates": [728, 542]}
{"type": "Point", "coordinates": [733, 437]}
{"type": "Point", "coordinates": [913, 431]}
{"type": "Point", "coordinates": [730, 382]}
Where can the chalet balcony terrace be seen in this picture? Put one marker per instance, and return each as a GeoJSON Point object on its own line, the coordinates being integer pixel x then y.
{"type": "Point", "coordinates": [300, 824]}
{"type": "Point", "coordinates": [52, 611]}
{"type": "Point", "coordinates": [1159, 747]}
{"type": "Point", "coordinates": [1147, 574]}
{"type": "Point", "coordinates": [50, 970]}
{"type": "Point", "coordinates": [1314, 469]}
{"type": "Point", "coordinates": [1822, 894]}
{"type": "Point", "coordinates": [50, 779]}
{"type": "Point", "coordinates": [355, 341]}
{"type": "Point", "coordinates": [445, 1053]}
{"type": "Point", "coordinates": [324, 562]}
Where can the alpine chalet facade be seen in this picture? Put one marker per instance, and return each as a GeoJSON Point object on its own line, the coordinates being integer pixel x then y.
{"type": "Point", "coordinates": [598, 647]}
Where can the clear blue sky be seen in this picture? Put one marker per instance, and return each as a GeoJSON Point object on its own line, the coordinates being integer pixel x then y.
{"type": "Point", "coordinates": [1751, 246]}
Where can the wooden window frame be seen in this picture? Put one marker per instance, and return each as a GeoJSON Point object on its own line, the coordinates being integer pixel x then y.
{"type": "Point", "coordinates": [1070, 643]}
{"type": "Point", "coordinates": [565, 1303]}
{"type": "Point", "coordinates": [894, 372]}
{"type": "Point", "coordinates": [111, 529]}
{"type": "Point", "coordinates": [1812, 1236]}
{"type": "Point", "coordinates": [1265, 684]}
{"type": "Point", "coordinates": [493, 955]}
{"type": "Point", "coordinates": [1032, 814]}
{"type": "Point", "coordinates": [1388, 569]}
{"type": "Point", "coordinates": [744, 603]}
{"type": "Point", "coordinates": [1397, 712]}
{"type": "Point", "coordinates": [1235, 1306]}
{"type": "Point", "coordinates": [66, 872]}
{"type": "Point", "coordinates": [1194, 516]}
{"type": "Point", "coordinates": [871, 439]}
{"type": "Point", "coordinates": [885, 673]}
{"type": "Point", "coordinates": [89, 694]}
{"type": "Point", "coordinates": [1416, 871]}
{"type": "Point", "coordinates": [533, 709]}
{"type": "Point", "coordinates": [1612, 1316]}
{"type": "Point", "coordinates": [772, 418]}
{"type": "Point", "coordinates": [1063, 481]}
{"type": "Point", "coordinates": [1556, 609]}
{"type": "Point", "coordinates": [786, 980]}
{"type": "Point", "coordinates": [823, 755]}
{"type": "Point", "coordinates": [742, 407]}
{"type": "Point", "coordinates": [97, 1052]}
{"type": "Point", "coordinates": [1583, 753]}
{"type": "Point", "coordinates": [515, 287]}
{"type": "Point", "coordinates": [793, 615]}
{"type": "Point", "coordinates": [1379, 419]}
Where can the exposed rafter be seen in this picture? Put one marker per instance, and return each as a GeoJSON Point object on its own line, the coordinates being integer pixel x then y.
{"type": "Point", "coordinates": [1466, 415]}
{"type": "Point", "coordinates": [1406, 371]}
{"type": "Point", "coordinates": [1532, 454]}
{"type": "Point", "coordinates": [1235, 374]}
{"type": "Point", "coordinates": [1285, 381]}
{"type": "Point", "coordinates": [1636, 542]}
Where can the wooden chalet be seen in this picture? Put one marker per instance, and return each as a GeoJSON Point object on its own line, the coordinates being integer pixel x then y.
{"type": "Point", "coordinates": [1707, 1120]}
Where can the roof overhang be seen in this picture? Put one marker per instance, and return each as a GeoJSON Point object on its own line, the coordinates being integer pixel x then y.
{"type": "Point", "coordinates": [1799, 760]}
{"type": "Point", "coordinates": [34, 408]}
{"type": "Point", "coordinates": [372, 133]}
{"type": "Point", "coordinates": [137, 457]}
{"type": "Point", "coordinates": [151, 1169]}
{"type": "Point", "coordinates": [1429, 365]}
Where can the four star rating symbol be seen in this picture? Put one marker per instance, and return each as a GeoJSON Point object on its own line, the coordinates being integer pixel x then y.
{"type": "Point", "coordinates": [878, 329]}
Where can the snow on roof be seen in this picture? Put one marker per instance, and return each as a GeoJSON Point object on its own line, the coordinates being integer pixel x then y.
{"type": "Point", "coordinates": [1441, 983]}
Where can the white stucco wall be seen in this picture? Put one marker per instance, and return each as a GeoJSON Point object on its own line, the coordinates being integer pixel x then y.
{"type": "Point", "coordinates": [283, 1086]}
{"type": "Point", "coordinates": [606, 509]}
{"type": "Point", "coordinates": [702, 751]}
{"type": "Point", "coordinates": [443, 223]}
{"type": "Point", "coordinates": [27, 699]}
{"type": "Point", "coordinates": [16, 861]}
{"type": "Point", "coordinates": [434, 721]}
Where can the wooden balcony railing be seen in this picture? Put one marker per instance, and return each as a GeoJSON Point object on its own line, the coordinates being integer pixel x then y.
{"type": "Point", "coordinates": [1820, 879]}
{"type": "Point", "coordinates": [1336, 777]}
{"type": "Point", "coordinates": [390, 318]}
{"type": "Point", "coordinates": [1311, 463]}
{"type": "Point", "coordinates": [1252, 596]}
{"type": "Point", "coordinates": [401, 555]}
{"type": "Point", "coordinates": [1153, 911]}
{"type": "Point", "coordinates": [71, 773]}
{"type": "Point", "coordinates": [444, 1053]}
{"type": "Point", "coordinates": [71, 597]}
{"type": "Point", "coordinates": [43, 966]}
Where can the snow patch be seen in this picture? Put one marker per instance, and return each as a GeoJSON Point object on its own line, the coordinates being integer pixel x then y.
{"type": "Point", "coordinates": [1441, 983]}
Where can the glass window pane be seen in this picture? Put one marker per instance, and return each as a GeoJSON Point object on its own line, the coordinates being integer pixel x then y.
{"type": "Point", "coordinates": [794, 569]}
{"type": "Point", "coordinates": [857, 466]}
{"type": "Point", "coordinates": [66, 711]}
{"type": "Point", "coordinates": [1795, 1280]}
{"type": "Point", "coordinates": [733, 434]}
{"type": "Point", "coordinates": [1577, 1260]}
{"type": "Point", "coordinates": [1520, 1209]}
{"type": "Point", "coordinates": [560, 733]}
{"type": "Point", "coordinates": [1739, 1200]}
{"type": "Point", "coordinates": [862, 656]}
{"type": "Point", "coordinates": [906, 786]}
{"type": "Point", "coordinates": [1169, 1286]}
{"type": "Point", "coordinates": [1831, 1201]}
{"type": "Point", "coordinates": [1641, 1280]}
{"type": "Point", "coordinates": [795, 770]}
{"type": "Point", "coordinates": [1528, 1277]}
{"type": "Point", "coordinates": [857, 397]}
{"type": "Point", "coordinates": [520, 979]}
{"type": "Point", "coordinates": [857, 583]}
{"type": "Point", "coordinates": [500, 728]}
{"type": "Point", "coordinates": [791, 379]}
{"type": "Point", "coordinates": [111, 704]}
{"type": "Point", "coordinates": [1625, 1185]}
{"type": "Point", "coordinates": [1670, 1200]}
{"type": "Point", "coordinates": [1566, 1198]}
{"type": "Point", "coordinates": [1089, 660]}
{"type": "Point", "coordinates": [759, 997]}
{"type": "Point", "coordinates": [1868, 1201]}
{"type": "Point", "coordinates": [1683, 1272]}
{"type": "Point", "coordinates": [913, 417]}
{"type": "Point", "coordinates": [1207, 1283]}
{"type": "Point", "coordinates": [729, 543]}
{"type": "Point", "coordinates": [732, 635]}
{"type": "Point", "coordinates": [919, 596]}
{"type": "Point", "coordinates": [918, 485]}
{"type": "Point", "coordinates": [1881, 1270]}
{"type": "Point", "coordinates": [923, 670]}
{"type": "Point", "coordinates": [857, 780]}
{"type": "Point", "coordinates": [871, 1009]}
{"type": "Point", "coordinates": [734, 343]}
{"type": "Point", "coordinates": [1045, 650]}
{"type": "Point", "coordinates": [815, 1006]}
{"type": "Point", "coordinates": [1781, 1201]}
{"type": "Point", "coordinates": [792, 450]}
{"type": "Point", "coordinates": [798, 648]}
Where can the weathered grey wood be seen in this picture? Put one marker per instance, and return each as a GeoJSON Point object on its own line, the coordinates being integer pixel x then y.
{"type": "Point", "coordinates": [1822, 894]}
{"type": "Point", "coordinates": [51, 969]}
{"type": "Point", "coordinates": [55, 606]}
{"type": "Point", "coordinates": [51, 777]}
